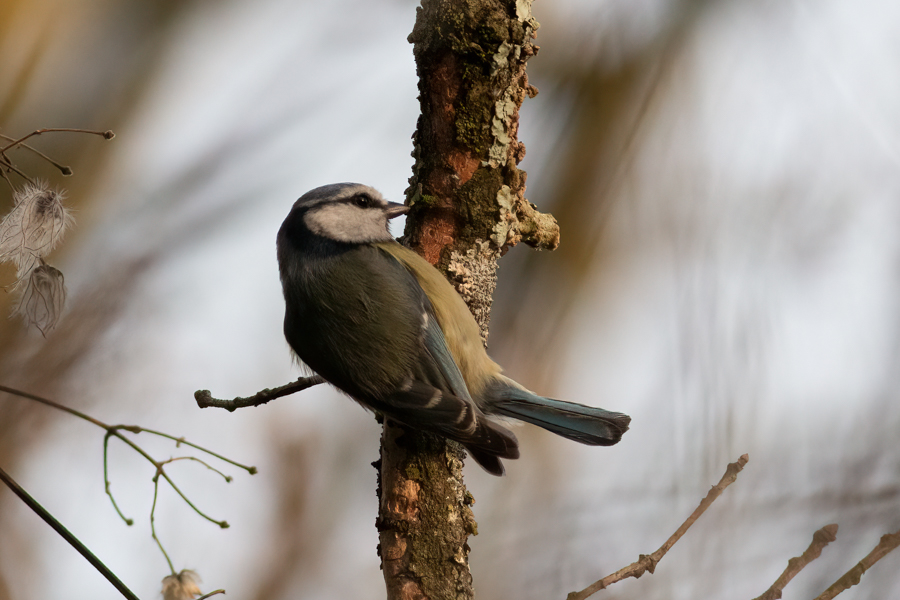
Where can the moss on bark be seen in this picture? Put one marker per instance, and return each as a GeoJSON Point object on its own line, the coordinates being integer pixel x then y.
{"type": "Point", "coordinates": [468, 206]}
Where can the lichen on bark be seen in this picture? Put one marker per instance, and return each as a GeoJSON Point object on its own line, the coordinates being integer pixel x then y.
{"type": "Point", "coordinates": [424, 518]}
{"type": "Point", "coordinates": [467, 207]}
{"type": "Point", "coordinates": [470, 56]}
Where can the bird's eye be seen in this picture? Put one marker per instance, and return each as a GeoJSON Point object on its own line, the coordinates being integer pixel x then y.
{"type": "Point", "coordinates": [362, 201]}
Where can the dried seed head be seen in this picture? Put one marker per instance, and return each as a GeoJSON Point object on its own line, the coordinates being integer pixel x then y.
{"type": "Point", "coordinates": [184, 586]}
{"type": "Point", "coordinates": [42, 298]}
{"type": "Point", "coordinates": [33, 228]}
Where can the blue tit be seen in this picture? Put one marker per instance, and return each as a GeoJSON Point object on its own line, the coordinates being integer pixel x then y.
{"type": "Point", "coordinates": [381, 324]}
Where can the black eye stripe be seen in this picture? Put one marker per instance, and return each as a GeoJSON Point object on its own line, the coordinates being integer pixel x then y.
{"type": "Point", "coordinates": [361, 200]}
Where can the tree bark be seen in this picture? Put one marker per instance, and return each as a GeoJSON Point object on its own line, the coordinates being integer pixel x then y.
{"type": "Point", "coordinates": [467, 207]}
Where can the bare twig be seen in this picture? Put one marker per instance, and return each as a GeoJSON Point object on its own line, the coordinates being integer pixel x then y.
{"type": "Point", "coordinates": [105, 134]}
{"type": "Point", "coordinates": [180, 440]}
{"type": "Point", "coordinates": [889, 541]}
{"type": "Point", "coordinates": [55, 405]}
{"type": "Point", "coordinates": [648, 562]}
{"type": "Point", "coordinates": [153, 521]}
{"type": "Point", "coordinates": [6, 164]}
{"type": "Point", "coordinates": [62, 168]}
{"type": "Point", "coordinates": [4, 177]}
{"type": "Point", "coordinates": [115, 431]}
{"type": "Point", "coordinates": [106, 482]}
{"type": "Point", "coordinates": [205, 400]}
{"type": "Point", "coordinates": [223, 524]}
{"type": "Point", "coordinates": [227, 478]}
{"type": "Point", "coordinates": [66, 535]}
{"type": "Point", "coordinates": [821, 538]}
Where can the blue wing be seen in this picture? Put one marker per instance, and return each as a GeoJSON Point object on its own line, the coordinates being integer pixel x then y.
{"type": "Point", "coordinates": [436, 346]}
{"type": "Point", "coordinates": [576, 422]}
{"type": "Point", "coordinates": [437, 398]}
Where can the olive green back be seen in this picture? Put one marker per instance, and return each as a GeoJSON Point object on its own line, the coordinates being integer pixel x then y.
{"type": "Point", "coordinates": [459, 326]}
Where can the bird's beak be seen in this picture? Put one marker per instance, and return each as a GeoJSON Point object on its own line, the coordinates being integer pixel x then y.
{"type": "Point", "coordinates": [395, 210]}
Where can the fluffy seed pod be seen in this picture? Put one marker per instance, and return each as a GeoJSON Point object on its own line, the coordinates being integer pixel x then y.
{"type": "Point", "coordinates": [33, 228]}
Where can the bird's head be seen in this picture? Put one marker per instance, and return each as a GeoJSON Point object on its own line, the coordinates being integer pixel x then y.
{"type": "Point", "coordinates": [349, 213]}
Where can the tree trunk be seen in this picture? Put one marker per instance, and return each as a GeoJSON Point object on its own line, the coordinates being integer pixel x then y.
{"type": "Point", "coordinates": [467, 208]}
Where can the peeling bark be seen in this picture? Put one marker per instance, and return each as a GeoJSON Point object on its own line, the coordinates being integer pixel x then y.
{"type": "Point", "coordinates": [466, 186]}
{"type": "Point", "coordinates": [467, 207]}
{"type": "Point", "coordinates": [424, 517]}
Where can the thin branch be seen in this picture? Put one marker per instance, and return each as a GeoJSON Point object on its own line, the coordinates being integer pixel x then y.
{"type": "Point", "coordinates": [5, 178]}
{"type": "Point", "coordinates": [648, 562]}
{"type": "Point", "coordinates": [153, 522]}
{"type": "Point", "coordinates": [222, 524]}
{"type": "Point", "coordinates": [66, 171]}
{"type": "Point", "coordinates": [104, 134]}
{"type": "Point", "coordinates": [7, 163]}
{"type": "Point", "coordinates": [821, 538]}
{"type": "Point", "coordinates": [212, 593]}
{"type": "Point", "coordinates": [159, 466]}
{"type": "Point", "coordinates": [114, 429]}
{"type": "Point", "coordinates": [67, 535]}
{"type": "Point", "coordinates": [55, 405]}
{"type": "Point", "coordinates": [180, 440]}
{"type": "Point", "coordinates": [10, 167]}
{"type": "Point", "coordinates": [161, 471]}
{"type": "Point", "coordinates": [205, 400]}
{"type": "Point", "coordinates": [107, 483]}
{"type": "Point", "coordinates": [889, 541]}
{"type": "Point", "coordinates": [227, 478]}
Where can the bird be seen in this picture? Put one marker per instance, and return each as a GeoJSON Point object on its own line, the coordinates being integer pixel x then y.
{"type": "Point", "coordinates": [381, 324]}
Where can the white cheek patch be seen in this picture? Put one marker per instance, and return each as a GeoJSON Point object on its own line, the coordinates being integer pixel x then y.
{"type": "Point", "coordinates": [344, 222]}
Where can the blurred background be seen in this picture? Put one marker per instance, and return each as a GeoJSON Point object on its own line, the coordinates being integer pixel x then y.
{"type": "Point", "coordinates": [727, 180]}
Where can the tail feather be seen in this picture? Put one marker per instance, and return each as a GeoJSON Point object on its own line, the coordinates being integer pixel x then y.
{"type": "Point", "coordinates": [583, 424]}
{"type": "Point", "coordinates": [489, 462]}
{"type": "Point", "coordinates": [422, 405]}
